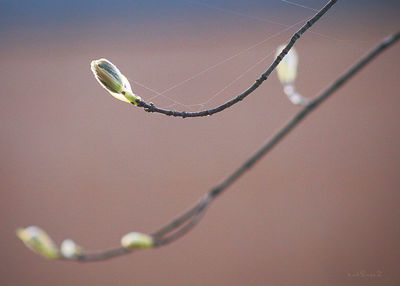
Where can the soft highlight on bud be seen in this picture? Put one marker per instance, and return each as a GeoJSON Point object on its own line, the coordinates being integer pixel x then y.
{"type": "Point", "coordinates": [287, 72]}
{"type": "Point", "coordinates": [38, 241]}
{"type": "Point", "coordinates": [137, 240]}
{"type": "Point", "coordinates": [293, 96]}
{"type": "Point", "coordinates": [109, 77]}
{"type": "Point", "coordinates": [287, 68]}
{"type": "Point", "coordinates": [69, 249]}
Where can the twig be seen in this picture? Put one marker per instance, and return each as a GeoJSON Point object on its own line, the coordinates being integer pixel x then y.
{"type": "Point", "coordinates": [149, 107]}
{"type": "Point", "coordinates": [186, 221]}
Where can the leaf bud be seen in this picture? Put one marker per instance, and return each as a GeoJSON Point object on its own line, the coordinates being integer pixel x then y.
{"type": "Point", "coordinates": [135, 240]}
{"type": "Point", "coordinates": [109, 77]}
{"type": "Point", "coordinates": [38, 241]}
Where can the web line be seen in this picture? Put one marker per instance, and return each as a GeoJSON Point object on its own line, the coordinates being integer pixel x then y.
{"type": "Point", "coordinates": [287, 27]}
{"type": "Point", "coordinates": [299, 5]}
{"type": "Point", "coordinates": [162, 93]}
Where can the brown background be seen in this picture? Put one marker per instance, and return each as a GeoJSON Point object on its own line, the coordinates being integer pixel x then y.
{"type": "Point", "coordinates": [322, 207]}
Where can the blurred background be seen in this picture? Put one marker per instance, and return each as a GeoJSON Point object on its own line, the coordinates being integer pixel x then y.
{"type": "Point", "coordinates": [321, 209]}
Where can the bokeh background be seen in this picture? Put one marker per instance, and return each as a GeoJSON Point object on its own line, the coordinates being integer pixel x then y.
{"type": "Point", "coordinates": [321, 209]}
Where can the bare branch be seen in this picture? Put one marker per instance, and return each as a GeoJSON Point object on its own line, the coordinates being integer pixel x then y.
{"type": "Point", "coordinates": [189, 219]}
{"type": "Point", "coordinates": [149, 107]}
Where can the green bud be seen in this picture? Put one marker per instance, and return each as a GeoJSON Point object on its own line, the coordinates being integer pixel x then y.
{"type": "Point", "coordinates": [38, 241]}
{"type": "Point", "coordinates": [287, 68]}
{"type": "Point", "coordinates": [135, 240]}
{"type": "Point", "coordinates": [109, 77]}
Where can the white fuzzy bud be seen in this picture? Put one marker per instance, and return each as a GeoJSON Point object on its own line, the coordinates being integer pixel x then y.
{"type": "Point", "coordinates": [69, 249]}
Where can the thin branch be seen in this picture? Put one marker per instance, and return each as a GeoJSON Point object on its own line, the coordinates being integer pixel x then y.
{"type": "Point", "coordinates": [176, 223]}
{"type": "Point", "coordinates": [100, 255]}
{"type": "Point", "coordinates": [183, 230]}
{"type": "Point", "coordinates": [149, 107]}
{"type": "Point", "coordinates": [192, 216]}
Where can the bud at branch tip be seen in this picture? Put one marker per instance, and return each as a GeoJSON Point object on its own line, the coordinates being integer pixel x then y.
{"type": "Point", "coordinates": [109, 77]}
{"type": "Point", "coordinates": [38, 241]}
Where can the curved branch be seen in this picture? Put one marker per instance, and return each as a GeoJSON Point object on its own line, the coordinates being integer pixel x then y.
{"type": "Point", "coordinates": [149, 107]}
{"type": "Point", "coordinates": [192, 216]}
